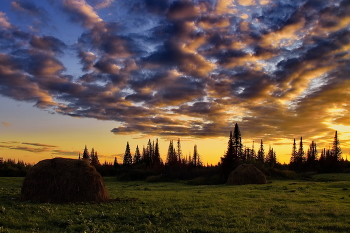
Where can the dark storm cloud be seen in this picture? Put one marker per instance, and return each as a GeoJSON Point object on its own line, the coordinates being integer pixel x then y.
{"type": "Point", "coordinates": [28, 7]}
{"type": "Point", "coordinates": [189, 68]}
{"type": "Point", "coordinates": [47, 43]}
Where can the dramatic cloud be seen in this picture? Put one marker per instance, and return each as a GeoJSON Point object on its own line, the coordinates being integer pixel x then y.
{"type": "Point", "coordinates": [82, 12]}
{"type": "Point", "coordinates": [186, 68]}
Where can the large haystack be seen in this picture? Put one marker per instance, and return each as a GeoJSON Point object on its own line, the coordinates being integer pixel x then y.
{"type": "Point", "coordinates": [61, 180]}
{"type": "Point", "coordinates": [246, 174]}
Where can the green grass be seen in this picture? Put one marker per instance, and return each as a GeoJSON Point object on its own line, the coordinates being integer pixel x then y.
{"type": "Point", "coordinates": [280, 206]}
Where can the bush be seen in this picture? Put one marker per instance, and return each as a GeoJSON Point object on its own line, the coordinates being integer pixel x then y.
{"type": "Point", "coordinates": [136, 174]}
{"type": "Point", "coordinates": [283, 174]}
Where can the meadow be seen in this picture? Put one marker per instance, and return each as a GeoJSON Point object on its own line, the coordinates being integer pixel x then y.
{"type": "Point", "coordinates": [321, 204]}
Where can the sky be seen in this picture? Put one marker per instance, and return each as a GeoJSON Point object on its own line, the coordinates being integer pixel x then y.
{"type": "Point", "coordinates": [102, 73]}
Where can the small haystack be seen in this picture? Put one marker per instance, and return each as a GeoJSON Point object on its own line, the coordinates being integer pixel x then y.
{"type": "Point", "coordinates": [246, 174]}
{"type": "Point", "coordinates": [61, 180]}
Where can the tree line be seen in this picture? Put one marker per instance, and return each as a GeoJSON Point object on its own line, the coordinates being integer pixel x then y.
{"type": "Point", "coordinates": [11, 168]}
{"type": "Point", "coordinates": [330, 160]}
{"type": "Point", "coordinates": [147, 163]}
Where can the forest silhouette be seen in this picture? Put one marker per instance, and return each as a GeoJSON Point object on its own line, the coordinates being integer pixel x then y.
{"type": "Point", "coordinates": [149, 165]}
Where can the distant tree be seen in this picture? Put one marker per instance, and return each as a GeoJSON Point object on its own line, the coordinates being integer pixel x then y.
{"type": "Point", "coordinates": [294, 155]}
{"type": "Point", "coordinates": [261, 153]}
{"type": "Point", "coordinates": [86, 153]}
{"type": "Point", "coordinates": [156, 160]}
{"type": "Point", "coordinates": [92, 153]}
{"type": "Point", "coordinates": [233, 154]}
{"type": "Point", "coordinates": [179, 152]}
{"type": "Point", "coordinates": [311, 157]}
{"type": "Point", "coordinates": [171, 156]}
{"type": "Point", "coordinates": [247, 154]}
{"type": "Point", "coordinates": [336, 150]}
{"type": "Point", "coordinates": [301, 153]}
{"type": "Point", "coordinates": [137, 156]}
{"type": "Point", "coordinates": [271, 158]}
{"type": "Point", "coordinates": [196, 160]}
{"type": "Point", "coordinates": [237, 143]}
{"type": "Point", "coordinates": [115, 164]}
{"type": "Point", "coordinates": [149, 154]}
{"type": "Point", "coordinates": [94, 160]}
{"type": "Point", "coordinates": [127, 156]}
{"type": "Point", "coordinates": [228, 161]}
{"type": "Point", "coordinates": [298, 157]}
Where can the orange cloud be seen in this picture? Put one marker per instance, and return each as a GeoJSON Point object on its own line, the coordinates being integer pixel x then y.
{"type": "Point", "coordinates": [5, 124]}
{"type": "Point", "coordinates": [83, 12]}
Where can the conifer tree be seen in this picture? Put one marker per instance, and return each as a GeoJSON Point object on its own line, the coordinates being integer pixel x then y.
{"type": "Point", "coordinates": [336, 150]}
{"type": "Point", "coordinates": [196, 160]}
{"type": "Point", "coordinates": [298, 158]}
{"type": "Point", "coordinates": [261, 153]}
{"type": "Point", "coordinates": [149, 153]}
{"type": "Point", "coordinates": [237, 144]}
{"type": "Point", "coordinates": [115, 164]}
{"type": "Point", "coordinates": [86, 153]}
{"type": "Point", "coordinates": [230, 148]}
{"type": "Point", "coordinates": [92, 153]}
{"type": "Point", "coordinates": [156, 155]}
{"type": "Point", "coordinates": [127, 156]}
{"type": "Point", "coordinates": [171, 156]}
{"type": "Point", "coordinates": [293, 158]}
{"type": "Point", "coordinates": [94, 160]}
{"type": "Point", "coordinates": [311, 156]}
{"type": "Point", "coordinates": [271, 157]}
{"type": "Point", "coordinates": [179, 152]}
{"type": "Point", "coordinates": [301, 153]}
{"type": "Point", "coordinates": [137, 156]}
{"type": "Point", "coordinates": [228, 161]}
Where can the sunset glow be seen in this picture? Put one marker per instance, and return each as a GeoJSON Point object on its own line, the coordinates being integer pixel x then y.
{"type": "Point", "coordinates": [104, 73]}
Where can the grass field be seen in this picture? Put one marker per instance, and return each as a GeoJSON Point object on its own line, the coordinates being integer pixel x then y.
{"type": "Point", "coordinates": [280, 206]}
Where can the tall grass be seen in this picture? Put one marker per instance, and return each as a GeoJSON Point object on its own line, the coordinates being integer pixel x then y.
{"type": "Point", "coordinates": [280, 206]}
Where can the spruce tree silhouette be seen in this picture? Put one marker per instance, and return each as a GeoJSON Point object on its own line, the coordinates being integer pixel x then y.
{"type": "Point", "coordinates": [156, 160]}
{"type": "Point", "coordinates": [336, 150]}
{"type": "Point", "coordinates": [196, 160]}
{"type": "Point", "coordinates": [171, 156]}
{"type": "Point", "coordinates": [137, 156]}
{"type": "Point", "coordinates": [179, 151]}
{"type": "Point", "coordinates": [127, 161]}
{"type": "Point", "coordinates": [311, 158]}
{"type": "Point", "coordinates": [94, 159]}
{"type": "Point", "coordinates": [86, 153]}
{"type": "Point", "coordinates": [115, 163]}
{"type": "Point", "coordinates": [271, 159]}
{"type": "Point", "coordinates": [237, 144]}
{"type": "Point", "coordinates": [234, 153]}
{"type": "Point", "coordinates": [261, 153]}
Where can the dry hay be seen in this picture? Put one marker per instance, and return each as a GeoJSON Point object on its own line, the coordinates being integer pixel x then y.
{"type": "Point", "coordinates": [246, 174]}
{"type": "Point", "coordinates": [61, 180]}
